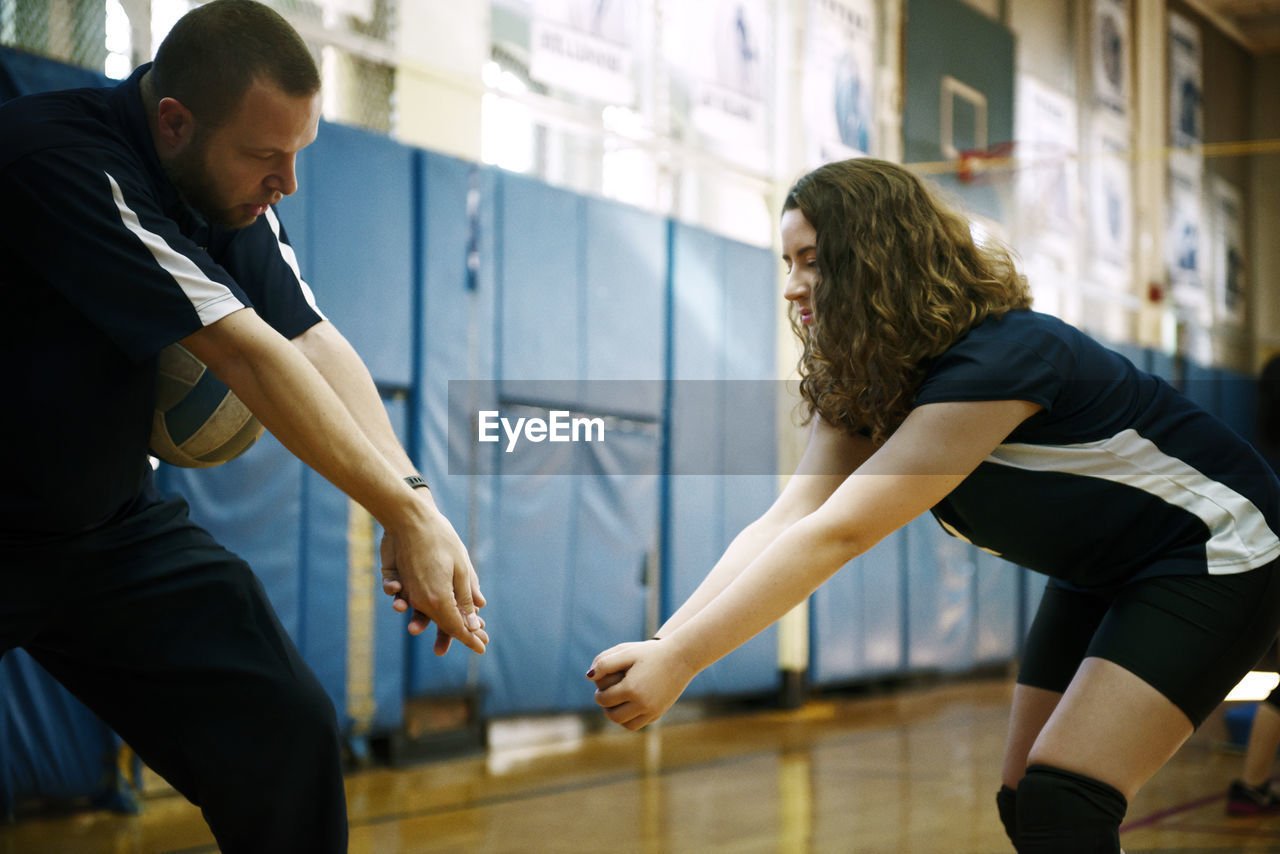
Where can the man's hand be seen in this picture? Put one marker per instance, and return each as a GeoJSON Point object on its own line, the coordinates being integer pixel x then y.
{"type": "Point", "coordinates": [637, 682]}
{"type": "Point", "coordinates": [428, 570]}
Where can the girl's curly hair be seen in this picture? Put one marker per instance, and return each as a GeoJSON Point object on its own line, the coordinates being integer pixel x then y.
{"type": "Point", "coordinates": [900, 279]}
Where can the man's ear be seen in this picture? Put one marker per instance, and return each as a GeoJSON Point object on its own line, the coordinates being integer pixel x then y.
{"type": "Point", "coordinates": [175, 124]}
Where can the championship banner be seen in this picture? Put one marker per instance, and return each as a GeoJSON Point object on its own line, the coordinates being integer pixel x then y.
{"type": "Point", "coordinates": [1046, 181]}
{"type": "Point", "coordinates": [1228, 253]}
{"type": "Point", "coordinates": [1111, 201]}
{"type": "Point", "coordinates": [1184, 240]}
{"type": "Point", "coordinates": [584, 47]}
{"type": "Point", "coordinates": [1111, 84]}
{"type": "Point", "coordinates": [838, 83]}
{"type": "Point", "coordinates": [722, 48]}
{"type": "Point", "coordinates": [1186, 112]}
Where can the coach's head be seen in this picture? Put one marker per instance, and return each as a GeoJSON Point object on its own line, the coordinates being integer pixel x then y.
{"type": "Point", "coordinates": [233, 95]}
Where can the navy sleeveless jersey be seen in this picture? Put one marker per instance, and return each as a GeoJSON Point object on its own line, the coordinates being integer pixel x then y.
{"type": "Point", "coordinates": [104, 266]}
{"type": "Point", "coordinates": [1118, 477]}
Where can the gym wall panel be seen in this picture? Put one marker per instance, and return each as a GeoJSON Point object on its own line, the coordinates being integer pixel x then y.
{"type": "Point", "coordinates": [940, 598]}
{"type": "Point", "coordinates": [624, 293]}
{"type": "Point", "coordinates": [996, 599]}
{"type": "Point", "coordinates": [540, 310]}
{"type": "Point", "coordinates": [456, 325]}
{"type": "Point", "coordinates": [358, 189]}
{"type": "Point", "coordinates": [855, 625]}
{"type": "Point", "coordinates": [1200, 383]}
{"type": "Point", "coordinates": [1238, 402]}
{"type": "Point", "coordinates": [527, 582]}
{"type": "Point", "coordinates": [721, 418]}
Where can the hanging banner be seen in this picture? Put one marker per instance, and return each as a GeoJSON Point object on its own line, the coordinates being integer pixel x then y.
{"type": "Point", "coordinates": [1185, 237]}
{"type": "Point", "coordinates": [585, 47]}
{"type": "Point", "coordinates": [1111, 201]}
{"type": "Point", "coordinates": [1228, 253]}
{"type": "Point", "coordinates": [1186, 112]}
{"type": "Point", "coordinates": [1111, 55]}
{"type": "Point", "coordinates": [838, 88]}
{"type": "Point", "coordinates": [722, 48]}
{"type": "Point", "coordinates": [1047, 200]}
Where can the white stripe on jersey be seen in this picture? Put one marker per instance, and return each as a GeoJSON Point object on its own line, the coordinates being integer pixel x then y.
{"type": "Point", "coordinates": [1239, 537]}
{"type": "Point", "coordinates": [211, 300]}
{"type": "Point", "coordinates": [291, 258]}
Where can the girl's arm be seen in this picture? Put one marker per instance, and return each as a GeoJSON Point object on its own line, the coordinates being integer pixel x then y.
{"type": "Point", "coordinates": [936, 447]}
{"type": "Point", "coordinates": [830, 456]}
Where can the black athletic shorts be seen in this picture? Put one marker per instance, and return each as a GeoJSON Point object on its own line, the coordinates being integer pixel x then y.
{"type": "Point", "coordinates": [1191, 637]}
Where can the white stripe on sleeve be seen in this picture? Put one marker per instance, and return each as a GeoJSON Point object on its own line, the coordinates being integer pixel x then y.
{"type": "Point", "coordinates": [291, 258]}
{"type": "Point", "coordinates": [211, 300]}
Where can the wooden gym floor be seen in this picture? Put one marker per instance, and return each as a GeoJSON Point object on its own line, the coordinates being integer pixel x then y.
{"type": "Point", "coordinates": [909, 770]}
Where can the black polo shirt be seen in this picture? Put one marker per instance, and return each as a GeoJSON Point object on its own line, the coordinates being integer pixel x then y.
{"type": "Point", "coordinates": [1118, 477]}
{"type": "Point", "coordinates": [103, 266]}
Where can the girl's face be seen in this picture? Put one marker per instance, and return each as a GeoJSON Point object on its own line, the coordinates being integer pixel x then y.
{"type": "Point", "coordinates": [800, 254]}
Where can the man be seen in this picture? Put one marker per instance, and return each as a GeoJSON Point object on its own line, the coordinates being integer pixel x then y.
{"type": "Point", "coordinates": [134, 217]}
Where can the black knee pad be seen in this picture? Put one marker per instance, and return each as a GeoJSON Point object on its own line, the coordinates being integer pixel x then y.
{"type": "Point", "coordinates": [1007, 805]}
{"type": "Point", "coordinates": [1060, 812]}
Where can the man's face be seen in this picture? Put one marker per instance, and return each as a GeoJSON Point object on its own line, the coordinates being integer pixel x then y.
{"type": "Point", "coordinates": [230, 174]}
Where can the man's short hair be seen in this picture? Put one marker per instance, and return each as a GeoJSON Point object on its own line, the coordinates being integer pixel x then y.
{"type": "Point", "coordinates": [215, 52]}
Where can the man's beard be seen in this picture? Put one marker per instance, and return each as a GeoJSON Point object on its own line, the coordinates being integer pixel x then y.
{"type": "Point", "coordinates": [189, 174]}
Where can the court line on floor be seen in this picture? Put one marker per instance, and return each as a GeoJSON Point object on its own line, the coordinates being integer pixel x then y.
{"type": "Point", "coordinates": [1168, 812]}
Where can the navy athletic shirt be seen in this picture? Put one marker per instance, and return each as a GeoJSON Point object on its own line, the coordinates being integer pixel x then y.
{"type": "Point", "coordinates": [1118, 477]}
{"type": "Point", "coordinates": [103, 266]}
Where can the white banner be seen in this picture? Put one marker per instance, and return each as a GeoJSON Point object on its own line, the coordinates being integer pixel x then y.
{"type": "Point", "coordinates": [1186, 112]}
{"type": "Point", "coordinates": [1047, 182]}
{"type": "Point", "coordinates": [584, 47]}
{"type": "Point", "coordinates": [839, 81]}
{"type": "Point", "coordinates": [1110, 50]}
{"type": "Point", "coordinates": [1111, 201]}
{"type": "Point", "coordinates": [1228, 253]}
{"type": "Point", "coordinates": [1185, 239]}
{"type": "Point", "coordinates": [723, 48]}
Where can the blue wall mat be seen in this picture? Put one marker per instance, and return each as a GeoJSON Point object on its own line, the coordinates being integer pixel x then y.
{"type": "Point", "coordinates": [51, 746]}
{"type": "Point", "coordinates": [322, 636]}
{"type": "Point", "coordinates": [1162, 365]}
{"type": "Point", "coordinates": [1238, 402]}
{"type": "Point", "coordinates": [940, 604]}
{"type": "Point", "coordinates": [456, 332]}
{"type": "Point", "coordinates": [527, 582]}
{"type": "Point", "coordinates": [24, 73]}
{"type": "Point", "coordinates": [540, 308]}
{"type": "Point", "coordinates": [253, 506]}
{"type": "Point", "coordinates": [721, 293]}
{"type": "Point", "coordinates": [997, 588]}
{"type": "Point", "coordinates": [357, 252]}
{"type": "Point", "coordinates": [616, 526]}
{"type": "Point", "coordinates": [855, 627]}
{"type": "Point", "coordinates": [1201, 385]}
{"type": "Point", "coordinates": [951, 38]}
{"type": "Point", "coordinates": [624, 292]}
{"type": "Point", "coordinates": [391, 640]}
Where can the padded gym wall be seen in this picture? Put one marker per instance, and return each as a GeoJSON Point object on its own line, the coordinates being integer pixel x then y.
{"type": "Point", "coordinates": [723, 305]}
{"type": "Point", "coordinates": [455, 321]}
{"type": "Point", "coordinates": [575, 522]}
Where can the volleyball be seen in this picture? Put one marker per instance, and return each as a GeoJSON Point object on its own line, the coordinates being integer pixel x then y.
{"type": "Point", "coordinates": [198, 421]}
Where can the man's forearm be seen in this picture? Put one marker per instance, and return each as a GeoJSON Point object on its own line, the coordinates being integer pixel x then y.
{"type": "Point", "coordinates": [301, 409]}
{"type": "Point", "coordinates": [344, 370]}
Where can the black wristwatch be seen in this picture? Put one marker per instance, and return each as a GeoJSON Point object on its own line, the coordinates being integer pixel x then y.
{"type": "Point", "coordinates": [415, 481]}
